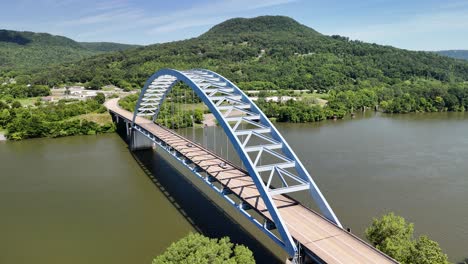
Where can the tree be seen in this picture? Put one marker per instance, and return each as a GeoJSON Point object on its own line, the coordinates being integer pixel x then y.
{"type": "Point", "coordinates": [3, 105]}
{"type": "Point", "coordinates": [392, 235]}
{"type": "Point", "coordinates": [439, 103]}
{"type": "Point", "coordinates": [96, 83]}
{"type": "Point", "coordinates": [198, 116]}
{"type": "Point", "coordinates": [4, 117]}
{"type": "Point", "coordinates": [198, 249]}
{"type": "Point", "coordinates": [8, 99]}
{"type": "Point", "coordinates": [16, 104]}
{"type": "Point", "coordinates": [426, 251]}
{"type": "Point", "coordinates": [451, 102]}
{"type": "Point", "coordinates": [100, 98]}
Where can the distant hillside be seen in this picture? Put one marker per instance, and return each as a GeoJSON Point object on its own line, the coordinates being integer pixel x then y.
{"type": "Point", "coordinates": [29, 50]}
{"type": "Point", "coordinates": [272, 52]}
{"type": "Point", "coordinates": [106, 46]}
{"type": "Point", "coordinates": [458, 54]}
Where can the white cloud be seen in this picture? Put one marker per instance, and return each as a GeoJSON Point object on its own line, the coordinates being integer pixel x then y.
{"type": "Point", "coordinates": [120, 15]}
{"type": "Point", "coordinates": [183, 24]}
{"type": "Point", "coordinates": [430, 24]}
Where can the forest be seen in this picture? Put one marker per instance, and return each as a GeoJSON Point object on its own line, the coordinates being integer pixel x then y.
{"type": "Point", "coordinates": [277, 50]}
{"type": "Point", "coordinates": [29, 51]}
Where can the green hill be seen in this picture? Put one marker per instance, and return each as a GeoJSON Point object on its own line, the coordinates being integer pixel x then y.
{"type": "Point", "coordinates": [263, 24]}
{"type": "Point", "coordinates": [272, 49]}
{"type": "Point", "coordinates": [29, 50]}
{"type": "Point", "coordinates": [106, 46]}
{"type": "Point", "coordinates": [457, 54]}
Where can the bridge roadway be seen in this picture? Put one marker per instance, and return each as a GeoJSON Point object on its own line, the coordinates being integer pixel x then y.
{"type": "Point", "coordinates": [316, 234]}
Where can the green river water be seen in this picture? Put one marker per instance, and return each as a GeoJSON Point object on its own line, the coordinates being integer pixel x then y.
{"type": "Point", "coordinates": [87, 199]}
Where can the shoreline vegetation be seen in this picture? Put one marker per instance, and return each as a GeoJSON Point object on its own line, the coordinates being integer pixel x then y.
{"type": "Point", "coordinates": [55, 119]}
{"type": "Point", "coordinates": [23, 117]}
{"type": "Point", "coordinates": [2, 135]}
{"type": "Point", "coordinates": [415, 96]}
{"type": "Point", "coordinates": [394, 236]}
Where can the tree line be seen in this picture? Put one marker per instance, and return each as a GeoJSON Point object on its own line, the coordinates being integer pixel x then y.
{"type": "Point", "coordinates": [12, 91]}
{"type": "Point", "coordinates": [416, 95]}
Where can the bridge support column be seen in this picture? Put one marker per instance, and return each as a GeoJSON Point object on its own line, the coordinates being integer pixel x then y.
{"type": "Point", "coordinates": [123, 126]}
{"type": "Point", "coordinates": [128, 131]}
{"type": "Point", "coordinates": [139, 141]}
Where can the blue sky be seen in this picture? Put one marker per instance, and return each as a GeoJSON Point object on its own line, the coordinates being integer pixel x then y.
{"type": "Point", "coordinates": [415, 25]}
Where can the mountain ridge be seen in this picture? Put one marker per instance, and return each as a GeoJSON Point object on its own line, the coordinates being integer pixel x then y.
{"type": "Point", "coordinates": [26, 49]}
{"type": "Point", "coordinates": [34, 38]}
{"type": "Point", "coordinates": [457, 54]}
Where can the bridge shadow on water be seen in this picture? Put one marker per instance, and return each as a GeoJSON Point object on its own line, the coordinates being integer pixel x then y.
{"type": "Point", "coordinates": [205, 216]}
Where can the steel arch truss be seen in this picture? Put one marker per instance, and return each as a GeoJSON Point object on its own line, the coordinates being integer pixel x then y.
{"type": "Point", "coordinates": [253, 136]}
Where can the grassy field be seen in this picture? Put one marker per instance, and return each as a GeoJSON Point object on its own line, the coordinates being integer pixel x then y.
{"type": "Point", "coordinates": [320, 99]}
{"type": "Point", "coordinates": [101, 119]}
{"type": "Point", "coordinates": [323, 96]}
{"type": "Point", "coordinates": [186, 107]}
{"type": "Point", "coordinates": [107, 89]}
{"type": "Point", "coordinates": [28, 101]}
{"type": "Point", "coordinates": [190, 107]}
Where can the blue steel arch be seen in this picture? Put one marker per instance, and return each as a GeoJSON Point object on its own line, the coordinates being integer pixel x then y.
{"type": "Point", "coordinates": [208, 86]}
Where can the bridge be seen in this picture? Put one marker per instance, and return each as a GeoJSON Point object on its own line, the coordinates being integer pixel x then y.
{"type": "Point", "coordinates": [261, 188]}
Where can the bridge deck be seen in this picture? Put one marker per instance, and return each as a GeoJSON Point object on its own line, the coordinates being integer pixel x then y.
{"type": "Point", "coordinates": [320, 236]}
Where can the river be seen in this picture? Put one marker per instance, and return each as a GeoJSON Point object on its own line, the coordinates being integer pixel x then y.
{"type": "Point", "coordinates": [86, 199]}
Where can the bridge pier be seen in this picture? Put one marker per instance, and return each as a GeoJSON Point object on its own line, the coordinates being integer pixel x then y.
{"type": "Point", "coordinates": [135, 139]}
{"type": "Point", "coordinates": [140, 141]}
{"type": "Point", "coordinates": [123, 126]}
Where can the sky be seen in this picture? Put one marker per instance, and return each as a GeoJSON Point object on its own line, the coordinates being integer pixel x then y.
{"type": "Point", "coordinates": [414, 25]}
